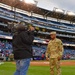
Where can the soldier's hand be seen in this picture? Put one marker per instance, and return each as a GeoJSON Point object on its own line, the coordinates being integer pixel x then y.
{"type": "Point", "coordinates": [47, 58]}
{"type": "Point", "coordinates": [59, 58]}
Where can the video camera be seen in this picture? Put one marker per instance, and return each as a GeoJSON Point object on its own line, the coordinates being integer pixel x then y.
{"type": "Point", "coordinates": [15, 26]}
{"type": "Point", "coordinates": [24, 25]}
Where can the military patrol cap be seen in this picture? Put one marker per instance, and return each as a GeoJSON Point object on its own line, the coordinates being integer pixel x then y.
{"type": "Point", "coordinates": [53, 33]}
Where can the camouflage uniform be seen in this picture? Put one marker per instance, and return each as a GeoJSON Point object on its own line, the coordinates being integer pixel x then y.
{"type": "Point", "coordinates": [55, 51]}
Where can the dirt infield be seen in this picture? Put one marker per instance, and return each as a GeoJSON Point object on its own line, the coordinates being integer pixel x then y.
{"type": "Point", "coordinates": [46, 63]}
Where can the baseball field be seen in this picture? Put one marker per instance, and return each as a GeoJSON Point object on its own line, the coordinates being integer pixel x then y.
{"type": "Point", "coordinates": [39, 68]}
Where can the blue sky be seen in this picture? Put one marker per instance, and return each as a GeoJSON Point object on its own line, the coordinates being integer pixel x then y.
{"type": "Point", "coordinates": [68, 5]}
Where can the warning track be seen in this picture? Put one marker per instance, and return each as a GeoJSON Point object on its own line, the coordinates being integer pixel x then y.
{"type": "Point", "coordinates": [46, 63]}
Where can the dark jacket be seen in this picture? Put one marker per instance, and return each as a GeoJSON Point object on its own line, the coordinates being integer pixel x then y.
{"type": "Point", "coordinates": [22, 44]}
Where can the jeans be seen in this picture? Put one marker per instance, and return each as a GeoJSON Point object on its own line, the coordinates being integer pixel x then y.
{"type": "Point", "coordinates": [22, 66]}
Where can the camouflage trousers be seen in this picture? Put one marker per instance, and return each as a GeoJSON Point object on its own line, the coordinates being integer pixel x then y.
{"type": "Point", "coordinates": [55, 66]}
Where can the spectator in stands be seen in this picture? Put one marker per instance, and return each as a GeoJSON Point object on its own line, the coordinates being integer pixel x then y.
{"type": "Point", "coordinates": [7, 55]}
{"type": "Point", "coordinates": [22, 48]}
{"type": "Point", "coordinates": [43, 56]}
{"type": "Point", "coordinates": [1, 57]}
{"type": "Point", "coordinates": [11, 56]}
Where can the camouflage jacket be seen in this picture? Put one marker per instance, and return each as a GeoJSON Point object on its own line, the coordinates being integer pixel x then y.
{"type": "Point", "coordinates": [55, 48]}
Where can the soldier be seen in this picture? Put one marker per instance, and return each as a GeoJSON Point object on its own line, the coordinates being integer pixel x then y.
{"type": "Point", "coordinates": [55, 52]}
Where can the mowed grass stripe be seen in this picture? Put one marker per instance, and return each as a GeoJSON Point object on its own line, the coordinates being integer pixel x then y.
{"type": "Point", "coordinates": [8, 69]}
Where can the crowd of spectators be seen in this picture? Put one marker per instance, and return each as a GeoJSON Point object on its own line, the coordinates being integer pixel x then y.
{"type": "Point", "coordinates": [6, 50]}
{"type": "Point", "coordinates": [69, 54]}
{"type": "Point", "coordinates": [38, 51]}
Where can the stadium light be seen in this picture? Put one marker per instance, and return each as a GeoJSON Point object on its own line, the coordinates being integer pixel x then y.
{"type": "Point", "coordinates": [30, 1]}
{"type": "Point", "coordinates": [21, 0]}
{"type": "Point", "coordinates": [58, 10]}
{"type": "Point", "coordinates": [70, 13]}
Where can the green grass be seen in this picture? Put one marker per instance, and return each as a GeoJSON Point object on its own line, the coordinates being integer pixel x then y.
{"type": "Point", "coordinates": [8, 69]}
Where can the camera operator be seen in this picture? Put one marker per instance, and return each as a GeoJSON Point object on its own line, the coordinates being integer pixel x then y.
{"type": "Point", "coordinates": [22, 48]}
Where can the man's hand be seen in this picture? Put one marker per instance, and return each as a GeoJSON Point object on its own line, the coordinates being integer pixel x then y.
{"type": "Point", "coordinates": [31, 28]}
